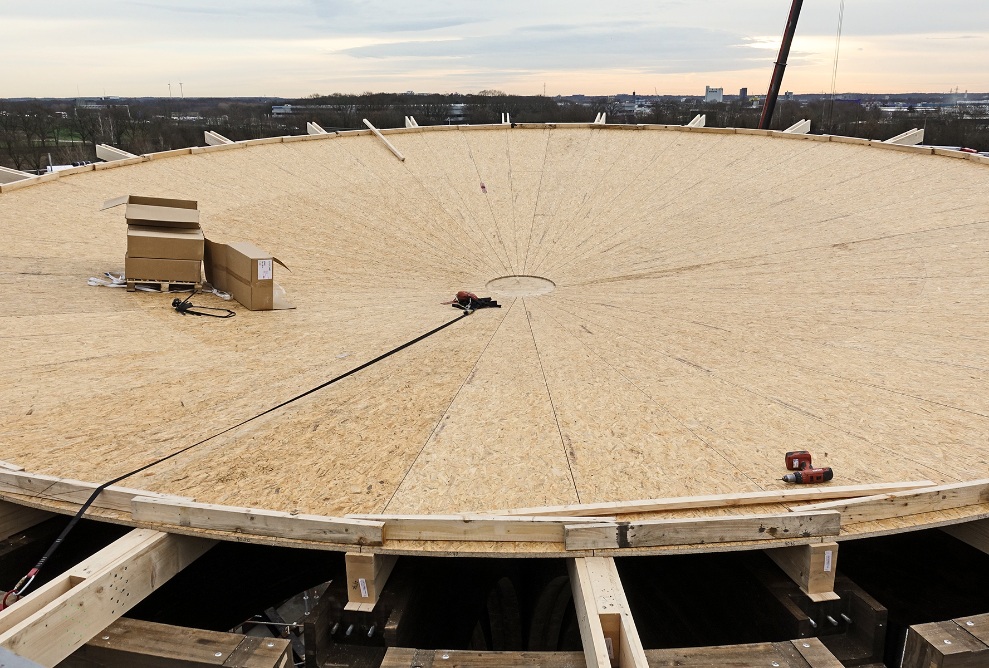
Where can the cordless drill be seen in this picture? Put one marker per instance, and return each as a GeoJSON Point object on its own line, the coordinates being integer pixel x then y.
{"type": "Point", "coordinates": [799, 461]}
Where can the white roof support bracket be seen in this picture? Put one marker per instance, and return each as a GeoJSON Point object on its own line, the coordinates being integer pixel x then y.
{"type": "Point", "coordinates": [908, 138]}
{"type": "Point", "coordinates": [109, 153]}
{"type": "Point", "coordinates": [699, 121]}
{"type": "Point", "coordinates": [216, 139]}
{"type": "Point", "coordinates": [801, 127]}
{"type": "Point", "coordinates": [315, 129]}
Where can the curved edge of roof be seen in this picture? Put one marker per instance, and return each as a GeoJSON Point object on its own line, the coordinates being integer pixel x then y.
{"type": "Point", "coordinates": [924, 150]}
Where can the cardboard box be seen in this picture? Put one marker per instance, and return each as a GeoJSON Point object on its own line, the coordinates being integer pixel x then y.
{"type": "Point", "coordinates": [162, 270]}
{"type": "Point", "coordinates": [164, 242]}
{"type": "Point", "coordinates": [247, 273]}
{"type": "Point", "coordinates": [157, 211]}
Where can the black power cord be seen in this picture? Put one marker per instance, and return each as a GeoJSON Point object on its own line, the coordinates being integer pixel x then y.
{"type": "Point", "coordinates": [25, 581]}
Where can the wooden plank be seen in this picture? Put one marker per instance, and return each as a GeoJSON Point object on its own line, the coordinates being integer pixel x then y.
{"type": "Point", "coordinates": [977, 625]}
{"type": "Point", "coordinates": [73, 491]}
{"type": "Point", "coordinates": [401, 657]}
{"type": "Point", "coordinates": [391, 147]}
{"type": "Point", "coordinates": [812, 566]}
{"type": "Point", "coordinates": [591, 634]}
{"type": "Point", "coordinates": [130, 642]}
{"type": "Point", "coordinates": [56, 619]}
{"type": "Point", "coordinates": [607, 629]}
{"type": "Point", "coordinates": [816, 654]}
{"type": "Point", "coordinates": [475, 527]}
{"type": "Point", "coordinates": [702, 530]}
{"type": "Point", "coordinates": [258, 521]}
{"type": "Point", "coordinates": [913, 502]}
{"type": "Point", "coordinates": [943, 645]}
{"type": "Point", "coordinates": [10, 467]}
{"type": "Point", "coordinates": [366, 577]}
{"type": "Point", "coordinates": [974, 533]}
{"type": "Point", "coordinates": [799, 494]}
{"type": "Point", "coordinates": [15, 518]}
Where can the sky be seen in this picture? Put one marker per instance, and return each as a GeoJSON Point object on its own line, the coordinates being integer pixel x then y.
{"type": "Point", "coordinates": [295, 48]}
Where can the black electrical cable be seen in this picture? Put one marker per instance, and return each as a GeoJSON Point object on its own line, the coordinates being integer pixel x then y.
{"type": "Point", "coordinates": [25, 582]}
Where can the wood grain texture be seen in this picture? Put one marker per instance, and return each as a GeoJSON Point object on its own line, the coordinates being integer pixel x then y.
{"type": "Point", "coordinates": [721, 298]}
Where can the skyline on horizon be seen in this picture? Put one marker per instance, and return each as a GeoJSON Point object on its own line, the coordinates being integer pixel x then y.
{"type": "Point", "coordinates": [297, 48]}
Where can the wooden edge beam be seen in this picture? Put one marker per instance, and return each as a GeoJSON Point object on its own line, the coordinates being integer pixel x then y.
{"type": "Point", "coordinates": [130, 642]}
{"type": "Point", "coordinates": [257, 521]}
{"type": "Point", "coordinates": [811, 566]}
{"type": "Point", "coordinates": [53, 488]}
{"type": "Point", "coordinates": [813, 493]}
{"type": "Point", "coordinates": [944, 644]}
{"type": "Point", "coordinates": [607, 629]}
{"type": "Point", "coordinates": [813, 651]}
{"type": "Point", "coordinates": [377, 133]}
{"type": "Point", "coordinates": [475, 527]}
{"type": "Point", "coordinates": [50, 623]}
{"type": "Point", "coordinates": [701, 530]}
{"type": "Point", "coordinates": [974, 533]}
{"type": "Point", "coordinates": [366, 577]}
{"type": "Point", "coordinates": [908, 138]}
{"type": "Point", "coordinates": [912, 502]}
{"type": "Point", "coordinates": [15, 518]}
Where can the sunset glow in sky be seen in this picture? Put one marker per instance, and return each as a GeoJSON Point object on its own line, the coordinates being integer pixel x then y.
{"type": "Point", "coordinates": [295, 48]}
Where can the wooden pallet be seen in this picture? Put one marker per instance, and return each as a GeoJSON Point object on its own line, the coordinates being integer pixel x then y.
{"type": "Point", "coordinates": [163, 286]}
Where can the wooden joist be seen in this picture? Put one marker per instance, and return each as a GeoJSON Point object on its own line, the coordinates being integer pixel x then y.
{"type": "Point", "coordinates": [54, 620]}
{"type": "Point", "coordinates": [15, 518]}
{"type": "Point", "coordinates": [957, 643]}
{"type": "Point", "coordinates": [913, 502]}
{"type": "Point", "coordinates": [216, 139]}
{"type": "Point", "coordinates": [811, 566]}
{"type": "Point", "coordinates": [807, 653]}
{"type": "Point", "coordinates": [476, 527]}
{"type": "Point", "coordinates": [366, 576]}
{"type": "Point", "coordinates": [702, 530]}
{"type": "Point", "coordinates": [257, 521]}
{"type": "Point", "coordinates": [130, 642]}
{"type": "Point", "coordinates": [54, 488]}
{"type": "Point", "coordinates": [607, 629]}
{"type": "Point", "coordinates": [794, 495]}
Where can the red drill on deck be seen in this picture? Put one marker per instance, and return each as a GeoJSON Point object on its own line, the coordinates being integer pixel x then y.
{"type": "Point", "coordinates": [800, 461]}
{"type": "Point", "coordinates": [808, 476]}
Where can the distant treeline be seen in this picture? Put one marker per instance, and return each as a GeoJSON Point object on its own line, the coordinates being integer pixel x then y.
{"type": "Point", "coordinates": [36, 133]}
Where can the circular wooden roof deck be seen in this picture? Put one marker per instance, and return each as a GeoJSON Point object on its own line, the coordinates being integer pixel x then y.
{"type": "Point", "coordinates": [715, 299]}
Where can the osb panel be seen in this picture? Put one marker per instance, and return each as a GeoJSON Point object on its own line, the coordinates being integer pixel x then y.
{"type": "Point", "coordinates": [720, 299]}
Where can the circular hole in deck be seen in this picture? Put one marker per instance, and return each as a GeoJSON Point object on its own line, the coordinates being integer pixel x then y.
{"type": "Point", "coordinates": [521, 286]}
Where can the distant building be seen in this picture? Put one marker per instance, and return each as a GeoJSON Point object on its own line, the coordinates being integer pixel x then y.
{"type": "Point", "coordinates": [714, 94]}
{"type": "Point", "coordinates": [743, 95]}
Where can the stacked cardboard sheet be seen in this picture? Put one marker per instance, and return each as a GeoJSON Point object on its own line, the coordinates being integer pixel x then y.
{"type": "Point", "coordinates": [164, 240]}
{"type": "Point", "coordinates": [247, 273]}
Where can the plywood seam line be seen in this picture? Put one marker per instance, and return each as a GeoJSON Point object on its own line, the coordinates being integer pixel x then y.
{"type": "Point", "coordinates": [853, 381]}
{"type": "Point", "coordinates": [535, 208]}
{"type": "Point", "coordinates": [725, 381]}
{"type": "Point", "coordinates": [477, 230]}
{"type": "Point", "coordinates": [511, 194]}
{"type": "Point", "coordinates": [672, 200]}
{"type": "Point", "coordinates": [25, 582]}
{"type": "Point", "coordinates": [440, 251]}
{"type": "Point", "coordinates": [561, 232]}
{"type": "Point", "coordinates": [549, 394]}
{"type": "Point", "coordinates": [663, 407]}
{"type": "Point", "coordinates": [696, 157]}
{"type": "Point", "coordinates": [655, 273]}
{"type": "Point", "coordinates": [487, 200]}
{"type": "Point", "coordinates": [439, 420]}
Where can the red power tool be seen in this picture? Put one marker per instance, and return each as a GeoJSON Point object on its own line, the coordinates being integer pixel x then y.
{"type": "Point", "coordinates": [805, 473]}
